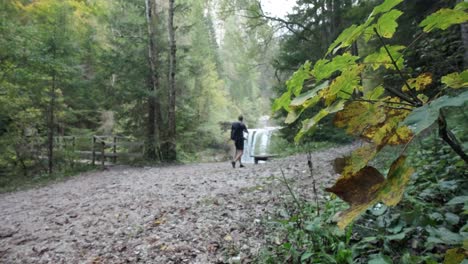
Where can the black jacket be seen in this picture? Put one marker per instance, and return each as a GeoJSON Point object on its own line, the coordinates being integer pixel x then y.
{"type": "Point", "coordinates": [237, 130]}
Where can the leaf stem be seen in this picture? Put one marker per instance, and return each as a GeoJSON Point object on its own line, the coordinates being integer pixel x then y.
{"type": "Point", "coordinates": [285, 181]}
{"type": "Point", "coordinates": [414, 100]}
{"type": "Point", "coordinates": [311, 169]}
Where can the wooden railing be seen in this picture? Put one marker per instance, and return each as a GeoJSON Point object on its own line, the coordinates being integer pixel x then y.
{"type": "Point", "coordinates": [101, 147]}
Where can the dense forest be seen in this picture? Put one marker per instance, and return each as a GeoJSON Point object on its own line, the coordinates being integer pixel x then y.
{"type": "Point", "coordinates": [157, 72]}
{"type": "Point", "coordinates": [153, 83]}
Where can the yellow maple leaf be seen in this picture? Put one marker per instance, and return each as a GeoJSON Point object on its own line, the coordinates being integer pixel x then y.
{"type": "Point", "coordinates": [419, 83]}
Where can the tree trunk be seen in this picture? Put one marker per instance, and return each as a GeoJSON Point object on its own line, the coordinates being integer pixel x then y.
{"type": "Point", "coordinates": [154, 108]}
{"type": "Point", "coordinates": [171, 139]}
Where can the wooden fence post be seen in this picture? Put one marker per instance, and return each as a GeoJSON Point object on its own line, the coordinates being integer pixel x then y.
{"type": "Point", "coordinates": [94, 150]}
{"type": "Point", "coordinates": [115, 150]}
{"type": "Point", "coordinates": [103, 157]}
{"type": "Point", "coordinates": [73, 151]}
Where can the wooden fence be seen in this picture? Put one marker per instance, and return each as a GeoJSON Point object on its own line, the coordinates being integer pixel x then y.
{"type": "Point", "coordinates": [100, 148]}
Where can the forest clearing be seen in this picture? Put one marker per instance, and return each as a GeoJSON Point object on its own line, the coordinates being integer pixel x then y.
{"type": "Point", "coordinates": [234, 131]}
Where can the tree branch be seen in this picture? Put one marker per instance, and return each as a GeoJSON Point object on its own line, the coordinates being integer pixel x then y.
{"type": "Point", "coordinates": [414, 99]}
{"type": "Point", "coordinates": [376, 101]}
{"type": "Point", "coordinates": [449, 137]}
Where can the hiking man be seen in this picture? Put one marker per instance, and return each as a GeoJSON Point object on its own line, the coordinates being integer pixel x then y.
{"type": "Point", "coordinates": [237, 134]}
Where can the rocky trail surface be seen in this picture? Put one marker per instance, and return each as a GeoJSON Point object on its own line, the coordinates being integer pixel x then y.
{"type": "Point", "coordinates": [199, 213]}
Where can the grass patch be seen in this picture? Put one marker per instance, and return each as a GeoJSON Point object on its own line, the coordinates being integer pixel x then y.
{"type": "Point", "coordinates": [283, 148]}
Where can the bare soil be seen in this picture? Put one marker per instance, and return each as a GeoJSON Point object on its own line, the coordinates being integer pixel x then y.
{"type": "Point", "coordinates": [198, 213]}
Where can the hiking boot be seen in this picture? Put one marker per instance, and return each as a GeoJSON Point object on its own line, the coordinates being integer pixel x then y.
{"type": "Point", "coordinates": [233, 163]}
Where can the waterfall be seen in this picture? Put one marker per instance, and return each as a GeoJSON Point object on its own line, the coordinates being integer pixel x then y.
{"type": "Point", "coordinates": [257, 143]}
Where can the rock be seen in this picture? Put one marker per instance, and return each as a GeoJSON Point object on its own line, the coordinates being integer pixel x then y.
{"type": "Point", "coordinates": [41, 250]}
{"type": "Point", "coordinates": [7, 232]}
{"type": "Point", "coordinates": [236, 259]}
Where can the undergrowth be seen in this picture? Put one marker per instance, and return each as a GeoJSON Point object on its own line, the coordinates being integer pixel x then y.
{"type": "Point", "coordinates": [284, 148]}
{"type": "Point", "coordinates": [428, 226]}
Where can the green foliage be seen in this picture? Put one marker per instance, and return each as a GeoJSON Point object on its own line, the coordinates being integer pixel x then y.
{"type": "Point", "coordinates": [301, 236]}
{"type": "Point", "coordinates": [279, 145]}
{"type": "Point", "coordinates": [423, 228]}
{"type": "Point", "coordinates": [387, 25]}
{"type": "Point", "coordinates": [423, 117]}
{"type": "Point", "coordinates": [444, 18]}
{"type": "Point", "coordinates": [456, 80]}
{"type": "Point", "coordinates": [297, 81]}
{"type": "Point", "coordinates": [385, 7]}
{"type": "Point", "coordinates": [325, 68]}
{"type": "Point", "coordinates": [382, 120]}
{"type": "Point", "coordinates": [308, 124]}
{"type": "Point", "coordinates": [322, 23]}
{"type": "Point", "coordinates": [95, 55]}
{"type": "Point", "coordinates": [382, 59]}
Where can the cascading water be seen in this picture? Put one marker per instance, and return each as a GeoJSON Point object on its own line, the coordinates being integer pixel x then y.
{"type": "Point", "coordinates": [257, 143]}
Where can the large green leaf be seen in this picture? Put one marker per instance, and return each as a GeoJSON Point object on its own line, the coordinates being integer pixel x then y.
{"type": "Point", "coordinates": [375, 93]}
{"type": "Point", "coordinates": [456, 80]}
{"type": "Point", "coordinates": [381, 59]}
{"type": "Point", "coordinates": [386, 6]}
{"type": "Point", "coordinates": [442, 235]}
{"type": "Point", "coordinates": [293, 115]}
{"type": "Point", "coordinates": [387, 25]}
{"type": "Point", "coordinates": [458, 200]}
{"type": "Point", "coordinates": [304, 101]}
{"type": "Point", "coordinates": [324, 68]}
{"type": "Point", "coordinates": [444, 18]}
{"type": "Point", "coordinates": [311, 123]}
{"type": "Point", "coordinates": [296, 81]}
{"type": "Point", "coordinates": [380, 259]}
{"type": "Point", "coordinates": [346, 38]}
{"type": "Point", "coordinates": [301, 99]}
{"type": "Point", "coordinates": [352, 33]}
{"type": "Point", "coordinates": [347, 81]}
{"type": "Point", "coordinates": [424, 116]}
{"type": "Point", "coordinates": [463, 5]}
{"type": "Point", "coordinates": [282, 102]}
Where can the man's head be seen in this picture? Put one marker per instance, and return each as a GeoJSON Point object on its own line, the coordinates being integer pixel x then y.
{"type": "Point", "coordinates": [241, 118]}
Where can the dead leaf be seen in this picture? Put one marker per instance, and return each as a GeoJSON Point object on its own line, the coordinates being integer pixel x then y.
{"type": "Point", "coordinates": [359, 159]}
{"type": "Point", "coordinates": [359, 188]}
{"type": "Point", "coordinates": [367, 187]}
{"type": "Point", "coordinates": [397, 179]}
{"type": "Point", "coordinates": [339, 164]}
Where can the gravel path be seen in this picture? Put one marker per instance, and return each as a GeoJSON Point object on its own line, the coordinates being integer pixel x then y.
{"type": "Point", "coordinates": [200, 213]}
